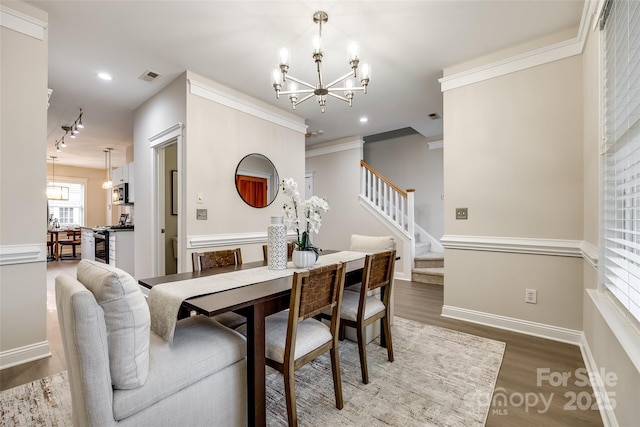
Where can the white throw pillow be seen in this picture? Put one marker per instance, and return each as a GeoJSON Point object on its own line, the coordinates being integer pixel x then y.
{"type": "Point", "coordinates": [126, 315]}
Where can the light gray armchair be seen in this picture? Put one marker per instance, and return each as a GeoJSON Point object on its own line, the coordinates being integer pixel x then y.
{"type": "Point", "coordinates": [121, 373]}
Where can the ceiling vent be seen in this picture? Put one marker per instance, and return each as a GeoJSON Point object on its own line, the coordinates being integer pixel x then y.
{"type": "Point", "coordinates": [434, 116]}
{"type": "Point", "coordinates": [149, 76]}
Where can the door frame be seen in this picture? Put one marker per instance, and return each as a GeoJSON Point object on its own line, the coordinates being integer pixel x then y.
{"type": "Point", "coordinates": [158, 142]}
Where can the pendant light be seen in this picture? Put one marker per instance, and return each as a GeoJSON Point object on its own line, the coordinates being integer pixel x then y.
{"type": "Point", "coordinates": [56, 192]}
{"type": "Point", "coordinates": [107, 184]}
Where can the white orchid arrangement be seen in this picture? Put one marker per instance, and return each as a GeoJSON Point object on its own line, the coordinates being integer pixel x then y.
{"type": "Point", "coordinates": [302, 215]}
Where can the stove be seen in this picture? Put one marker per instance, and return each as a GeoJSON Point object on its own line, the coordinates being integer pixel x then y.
{"type": "Point", "coordinates": [121, 227]}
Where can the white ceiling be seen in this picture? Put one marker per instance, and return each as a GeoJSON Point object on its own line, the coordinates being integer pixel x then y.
{"type": "Point", "coordinates": [236, 43]}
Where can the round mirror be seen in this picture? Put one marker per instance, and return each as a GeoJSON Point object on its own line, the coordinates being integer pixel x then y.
{"type": "Point", "coordinates": [257, 180]}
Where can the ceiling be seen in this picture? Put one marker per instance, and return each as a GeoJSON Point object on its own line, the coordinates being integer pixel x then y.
{"type": "Point", "coordinates": [236, 43]}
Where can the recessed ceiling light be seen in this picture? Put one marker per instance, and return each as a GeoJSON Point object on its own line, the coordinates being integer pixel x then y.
{"type": "Point", "coordinates": [364, 119]}
{"type": "Point", "coordinates": [105, 76]}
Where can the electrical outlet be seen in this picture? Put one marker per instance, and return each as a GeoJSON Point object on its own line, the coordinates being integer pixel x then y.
{"type": "Point", "coordinates": [461, 213]}
{"type": "Point", "coordinates": [531, 296]}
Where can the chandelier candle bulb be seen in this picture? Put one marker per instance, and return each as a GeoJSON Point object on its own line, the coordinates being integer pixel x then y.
{"type": "Point", "coordinates": [321, 90]}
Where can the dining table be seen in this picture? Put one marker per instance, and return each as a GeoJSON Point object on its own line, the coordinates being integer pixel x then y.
{"type": "Point", "coordinates": [255, 301]}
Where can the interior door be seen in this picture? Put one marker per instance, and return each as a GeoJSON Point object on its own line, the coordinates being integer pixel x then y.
{"type": "Point", "coordinates": [252, 189]}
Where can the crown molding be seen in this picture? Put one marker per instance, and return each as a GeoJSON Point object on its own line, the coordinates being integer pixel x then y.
{"type": "Point", "coordinates": [220, 97]}
{"type": "Point", "coordinates": [352, 145]}
{"type": "Point", "coordinates": [22, 23]}
{"type": "Point", "coordinates": [544, 55]}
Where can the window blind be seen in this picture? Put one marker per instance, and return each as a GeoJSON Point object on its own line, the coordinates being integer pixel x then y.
{"type": "Point", "coordinates": [620, 23]}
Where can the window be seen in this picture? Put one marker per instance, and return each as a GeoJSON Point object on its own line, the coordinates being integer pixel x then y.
{"type": "Point", "coordinates": [69, 213]}
{"type": "Point", "coordinates": [620, 22]}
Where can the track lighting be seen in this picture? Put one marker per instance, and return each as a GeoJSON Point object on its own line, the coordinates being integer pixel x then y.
{"type": "Point", "coordinates": [71, 130]}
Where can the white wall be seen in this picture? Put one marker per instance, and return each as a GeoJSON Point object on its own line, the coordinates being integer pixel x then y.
{"type": "Point", "coordinates": [159, 113]}
{"type": "Point", "coordinates": [409, 163]}
{"type": "Point", "coordinates": [221, 126]}
{"type": "Point", "coordinates": [23, 225]}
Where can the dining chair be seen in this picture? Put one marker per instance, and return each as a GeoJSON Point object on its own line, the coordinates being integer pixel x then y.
{"type": "Point", "coordinates": [290, 247]}
{"type": "Point", "coordinates": [294, 338]}
{"type": "Point", "coordinates": [72, 239]}
{"type": "Point", "coordinates": [360, 309]}
{"type": "Point", "coordinates": [217, 259]}
{"type": "Point", "coordinates": [214, 259]}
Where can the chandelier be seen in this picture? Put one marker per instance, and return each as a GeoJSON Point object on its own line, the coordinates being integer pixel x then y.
{"type": "Point", "coordinates": [56, 192]}
{"type": "Point", "coordinates": [320, 90]}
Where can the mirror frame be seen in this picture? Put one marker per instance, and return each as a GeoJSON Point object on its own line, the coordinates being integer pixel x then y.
{"type": "Point", "coordinates": [271, 194]}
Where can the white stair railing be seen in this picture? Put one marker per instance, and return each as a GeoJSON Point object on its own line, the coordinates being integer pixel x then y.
{"type": "Point", "coordinates": [394, 204]}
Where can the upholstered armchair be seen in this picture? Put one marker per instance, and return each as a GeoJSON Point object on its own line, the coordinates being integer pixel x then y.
{"type": "Point", "coordinates": [121, 373]}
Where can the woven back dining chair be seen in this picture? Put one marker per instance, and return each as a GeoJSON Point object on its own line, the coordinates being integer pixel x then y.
{"type": "Point", "coordinates": [294, 338]}
{"type": "Point", "coordinates": [214, 259]}
{"type": "Point", "coordinates": [361, 309]}
{"type": "Point", "coordinates": [217, 259]}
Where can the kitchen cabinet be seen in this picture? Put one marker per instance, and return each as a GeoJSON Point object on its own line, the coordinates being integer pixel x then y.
{"type": "Point", "coordinates": [88, 244]}
{"type": "Point", "coordinates": [120, 175]}
{"type": "Point", "coordinates": [124, 174]}
{"type": "Point", "coordinates": [121, 250]}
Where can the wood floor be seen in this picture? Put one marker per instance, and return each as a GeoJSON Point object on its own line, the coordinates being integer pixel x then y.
{"type": "Point", "coordinates": [529, 398]}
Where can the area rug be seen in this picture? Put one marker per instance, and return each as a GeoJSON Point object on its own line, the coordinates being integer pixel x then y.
{"type": "Point", "coordinates": [439, 377]}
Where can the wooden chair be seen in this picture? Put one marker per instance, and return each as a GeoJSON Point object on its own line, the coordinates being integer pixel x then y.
{"type": "Point", "coordinates": [360, 309]}
{"type": "Point", "coordinates": [73, 240]}
{"type": "Point", "coordinates": [216, 259]}
{"type": "Point", "coordinates": [290, 247]}
{"type": "Point", "coordinates": [294, 338]}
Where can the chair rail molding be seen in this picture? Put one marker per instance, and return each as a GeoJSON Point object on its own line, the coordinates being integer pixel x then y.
{"type": "Point", "coordinates": [22, 254]}
{"type": "Point", "coordinates": [557, 247]}
{"type": "Point", "coordinates": [229, 239]}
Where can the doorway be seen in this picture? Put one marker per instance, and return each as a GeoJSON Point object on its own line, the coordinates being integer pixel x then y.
{"type": "Point", "coordinates": [170, 174]}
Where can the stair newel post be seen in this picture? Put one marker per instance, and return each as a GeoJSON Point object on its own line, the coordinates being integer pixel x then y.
{"type": "Point", "coordinates": [363, 180]}
{"type": "Point", "coordinates": [411, 223]}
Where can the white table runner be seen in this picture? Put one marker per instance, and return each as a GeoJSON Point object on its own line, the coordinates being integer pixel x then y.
{"type": "Point", "coordinates": [165, 299]}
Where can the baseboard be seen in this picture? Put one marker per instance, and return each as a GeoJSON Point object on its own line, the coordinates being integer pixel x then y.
{"type": "Point", "coordinates": [605, 405]}
{"type": "Point", "coordinates": [526, 327]}
{"type": "Point", "coordinates": [20, 355]}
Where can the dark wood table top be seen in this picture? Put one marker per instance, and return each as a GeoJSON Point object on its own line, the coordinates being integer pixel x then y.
{"type": "Point", "coordinates": [238, 298]}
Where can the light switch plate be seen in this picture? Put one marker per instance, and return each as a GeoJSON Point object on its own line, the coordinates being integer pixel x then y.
{"type": "Point", "coordinates": [461, 213]}
{"type": "Point", "coordinates": [200, 198]}
{"type": "Point", "coordinates": [201, 214]}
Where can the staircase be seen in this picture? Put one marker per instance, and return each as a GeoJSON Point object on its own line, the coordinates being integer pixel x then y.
{"type": "Point", "coordinates": [429, 268]}
{"type": "Point", "coordinates": [396, 207]}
